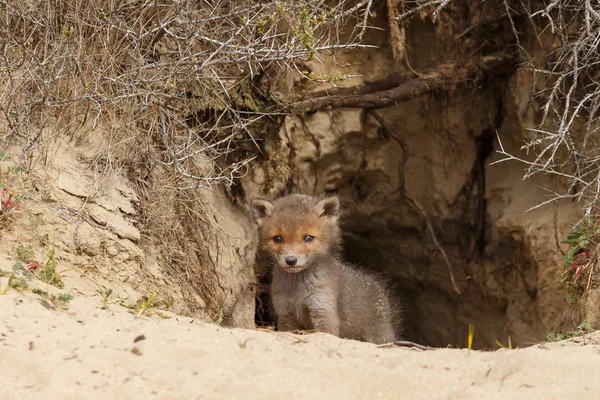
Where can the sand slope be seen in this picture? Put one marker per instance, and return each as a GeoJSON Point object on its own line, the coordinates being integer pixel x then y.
{"type": "Point", "coordinates": [86, 352]}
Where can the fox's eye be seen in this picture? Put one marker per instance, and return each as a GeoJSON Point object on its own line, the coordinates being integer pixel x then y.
{"type": "Point", "coordinates": [278, 239]}
{"type": "Point", "coordinates": [308, 238]}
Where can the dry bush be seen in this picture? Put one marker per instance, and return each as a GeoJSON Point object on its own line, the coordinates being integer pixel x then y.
{"type": "Point", "coordinates": [181, 93]}
{"type": "Point", "coordinates": [565, 141]}
{"type": "Point", "coordinates": [186, 73]}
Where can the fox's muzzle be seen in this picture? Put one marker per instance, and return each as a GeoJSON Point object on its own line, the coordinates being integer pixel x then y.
{"type": "Point", "coordinates": [293, 263]}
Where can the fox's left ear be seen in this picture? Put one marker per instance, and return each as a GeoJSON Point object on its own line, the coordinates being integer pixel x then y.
{"type": "Point", "coordinates": [328, 207]}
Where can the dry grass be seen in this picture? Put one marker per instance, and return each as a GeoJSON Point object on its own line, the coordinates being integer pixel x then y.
{"type": "Point", "coordinates": [180, 94]}
{"type": "Point", "coordinates": [177, 223]}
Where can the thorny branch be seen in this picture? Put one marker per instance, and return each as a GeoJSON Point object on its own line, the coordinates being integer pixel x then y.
{"type": "Point", "coordinates": [412, 200]}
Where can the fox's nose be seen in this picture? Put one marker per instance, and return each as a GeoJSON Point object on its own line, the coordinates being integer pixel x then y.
{"type": "Point", "coordinates": [291, 260]}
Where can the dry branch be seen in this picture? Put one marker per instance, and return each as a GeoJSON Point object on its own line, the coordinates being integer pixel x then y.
{"type": "Point", "coordinates": [445, 76]}
{"type": "Point", "coordinates": [407, 343]}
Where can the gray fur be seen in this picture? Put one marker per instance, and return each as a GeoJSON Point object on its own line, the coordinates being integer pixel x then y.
{"type": "Point", "coordinates": [325, 294]}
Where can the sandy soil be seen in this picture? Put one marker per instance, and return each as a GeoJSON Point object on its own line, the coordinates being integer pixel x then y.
{"type": "Point", "coordinates": [87, 352]}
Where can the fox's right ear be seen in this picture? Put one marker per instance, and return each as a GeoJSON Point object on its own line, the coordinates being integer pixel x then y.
{"type": "Point", "coordinates": [261, 209]}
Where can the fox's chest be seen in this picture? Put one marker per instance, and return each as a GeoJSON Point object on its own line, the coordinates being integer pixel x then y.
{"type": "Point", "coordinates": [303, 298]}
{"type": "Point", "coordinates": [306, 307]}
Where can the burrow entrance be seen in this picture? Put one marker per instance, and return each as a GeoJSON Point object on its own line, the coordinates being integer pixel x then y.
{"type": "Point", "coordinates": [495, 275]}
{"type": "Point", "coordinates": [498, 292]}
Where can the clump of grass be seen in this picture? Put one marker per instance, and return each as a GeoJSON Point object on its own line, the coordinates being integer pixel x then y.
{"type": "Point", "coordinates": [219, 319]}
{"type": "Point", "coordinates": [18, 278]}
{"type": "Point", "coordinates": [52, 301]}
{"type": "Point", "coordinates": [46, 271]}
{"type": "Point", "coordinates": [582, 329]}
{"type": "Point", "coordinates": [65, 298]}
{"type": "Point", "coordinates": [147, 304]}
{"type": "Point", "coordinates": [25, 254]}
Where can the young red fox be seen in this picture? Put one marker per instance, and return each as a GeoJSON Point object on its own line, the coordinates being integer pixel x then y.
{"type": "Point", "coordinates": [311, 287]}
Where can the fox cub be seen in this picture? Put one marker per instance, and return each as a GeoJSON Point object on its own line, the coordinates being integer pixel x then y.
{"type": "Point", "coordinates": [312, 289]}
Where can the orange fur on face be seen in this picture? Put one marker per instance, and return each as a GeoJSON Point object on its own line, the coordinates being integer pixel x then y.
{"type": "Point", "coordinates": [293, 232]}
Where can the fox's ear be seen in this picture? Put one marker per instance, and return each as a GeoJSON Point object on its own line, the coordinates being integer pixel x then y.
{"type": "Point", "coordinates": [261, 209]}
{"type": "Point", "coordinates": [328, 207]}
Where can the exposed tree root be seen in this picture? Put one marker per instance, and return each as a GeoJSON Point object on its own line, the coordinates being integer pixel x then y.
{"type": "Point", "coordinates": [445, 76]}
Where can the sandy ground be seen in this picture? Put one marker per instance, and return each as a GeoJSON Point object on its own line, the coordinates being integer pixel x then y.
{"type": "Point", "coordinates": [85, 352]}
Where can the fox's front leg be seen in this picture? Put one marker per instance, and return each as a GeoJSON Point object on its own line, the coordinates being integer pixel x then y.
{"type": "Point", "coordinates": [326, 321]}
{"type": "Point", "coordinates": [287, 322]}
{"type": "Point", "coordinates": [324, 315]}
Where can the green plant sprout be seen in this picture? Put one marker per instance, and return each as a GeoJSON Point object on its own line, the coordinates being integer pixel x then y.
{"type": "Point", "coordinates": [582, 329]}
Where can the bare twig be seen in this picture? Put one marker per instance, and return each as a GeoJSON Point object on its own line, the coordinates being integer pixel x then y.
{"type": "Point", "coordinates": [439, 5]}
{"type": "Point", "coordinates": [406, 343]}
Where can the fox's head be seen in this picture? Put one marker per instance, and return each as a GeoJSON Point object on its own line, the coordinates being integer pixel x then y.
{"type": "Point", "coordinates": [298, 230]}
